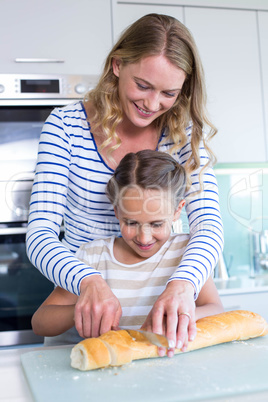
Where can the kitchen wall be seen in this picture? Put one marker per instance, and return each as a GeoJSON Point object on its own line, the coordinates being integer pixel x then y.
{"type": "Point", "coordinates": [243, 196]}
{"type": "Point", "coordinates": [243, 190]}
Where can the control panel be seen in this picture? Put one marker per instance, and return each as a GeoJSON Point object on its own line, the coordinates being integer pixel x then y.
{"type": "Point", "coordinates": [36, 86]}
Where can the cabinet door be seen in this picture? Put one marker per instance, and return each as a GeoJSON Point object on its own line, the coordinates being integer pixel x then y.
{"type": "Point", "coordinates": [263, 26]}
{"type": "Point", "coordinates": [126, 14]}
{"type": "Point", "coordinates": [75, 32]}
{"type": "Point", "coordinates": [228, 44]}
{"type": "Point", "coordinates": [243, 4]}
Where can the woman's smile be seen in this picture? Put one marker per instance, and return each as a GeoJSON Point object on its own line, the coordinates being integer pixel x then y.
{"type": "Point", "coordinates": [144, 113]}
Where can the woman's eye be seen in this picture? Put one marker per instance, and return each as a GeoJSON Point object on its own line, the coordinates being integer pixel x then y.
{"type": "Point", "coordinates": [141, 86]}
{"type": "Point", "coordinates": [170, 94]}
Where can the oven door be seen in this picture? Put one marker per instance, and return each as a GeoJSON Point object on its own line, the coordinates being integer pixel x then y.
{"type": "Point", "coordinates": [22, 289]}
{"type": "Point", "coordinates": [20, 128]}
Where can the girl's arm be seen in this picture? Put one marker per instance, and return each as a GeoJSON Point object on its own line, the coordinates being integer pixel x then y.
{"type": "Point", "coordinates": [56, 313]}
{"type": "Point", "coordinates": [208, 301]}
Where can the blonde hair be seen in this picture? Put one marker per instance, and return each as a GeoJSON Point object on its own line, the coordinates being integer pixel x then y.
{"type": "Point", "coordinates": [156, 34]}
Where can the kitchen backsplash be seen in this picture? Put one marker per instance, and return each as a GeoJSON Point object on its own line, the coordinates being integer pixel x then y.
{"type": "Point", "coordinates": [243, 192]}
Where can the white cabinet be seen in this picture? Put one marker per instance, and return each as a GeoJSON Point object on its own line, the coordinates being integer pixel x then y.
{"type": "Point", "coordinates": [126, 14]}
{"type": "Point", "coordinates": [79, 33]}
{"type": "Point", "coordinates": [255, 301]}
{"type": "Point", "coordinates": [228, 43]}
{"type": "Point", "coordinates": [245, 4]}
{"type": "Point", "coordinates": [263, 26]}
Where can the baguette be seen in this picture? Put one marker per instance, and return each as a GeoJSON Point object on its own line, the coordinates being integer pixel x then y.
{"type": "Point", "coordinates": [116, 348]}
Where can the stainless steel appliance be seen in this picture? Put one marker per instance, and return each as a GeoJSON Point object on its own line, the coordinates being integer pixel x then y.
{"type": "Point", "coordinates": [25, 103]}
{"type": "Point", "coordinates": [260, 253]}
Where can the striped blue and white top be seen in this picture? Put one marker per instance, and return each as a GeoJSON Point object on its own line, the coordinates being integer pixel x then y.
{"type": "Point", "coordinates": [69, 187]}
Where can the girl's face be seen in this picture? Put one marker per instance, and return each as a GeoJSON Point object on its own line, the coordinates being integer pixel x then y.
{"type": "Point", "coordinates": [148, 89]}
{"type": "Point", "coordinates": [146, 218]}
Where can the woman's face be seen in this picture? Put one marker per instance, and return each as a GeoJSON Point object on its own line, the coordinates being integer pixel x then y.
{"type": "Point", "coordinates": [148, 89]}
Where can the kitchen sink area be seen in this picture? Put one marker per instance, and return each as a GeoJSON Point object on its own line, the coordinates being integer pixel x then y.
{"type": "Point", "coordinates": [243, 281]}
{"type": "Point", "coordinates": [244, 293]}
{"type": "Point", "coordinates": [242, 284]}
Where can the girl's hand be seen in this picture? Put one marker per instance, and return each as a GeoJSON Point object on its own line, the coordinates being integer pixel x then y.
{"type": "Point", "coordinates": [97, 309]}
{"type": "Point", "coordinates": [166, 316]}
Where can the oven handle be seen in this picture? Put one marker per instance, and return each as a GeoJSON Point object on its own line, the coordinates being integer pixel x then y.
{"type": "Point", "coordinates": [57, 102]}
{"type": "Point", "coordinates": [36, 60]}
{"type": "Point", "coordinates": [18, 230]}
{"type": "Point", "coordinates": [12, 231]}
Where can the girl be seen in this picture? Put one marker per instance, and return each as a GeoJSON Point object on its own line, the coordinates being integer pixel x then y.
{"type": "Point", "coordinates": [151, 95]}
{"type": "Point", "coordinates": [147, 192]}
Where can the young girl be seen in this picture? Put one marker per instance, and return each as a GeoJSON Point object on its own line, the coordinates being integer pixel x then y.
{"type": "Point", "coordinates": [147, 191]}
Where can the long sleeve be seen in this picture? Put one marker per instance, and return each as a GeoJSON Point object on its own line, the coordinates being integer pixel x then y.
{"type": "Point", "coordinates": [61, 193]}
{"type": "Point", "coordinates": [205, 223]}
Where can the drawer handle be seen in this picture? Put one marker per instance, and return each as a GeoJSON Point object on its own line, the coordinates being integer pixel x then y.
{"type": "Point", "coordinates": [32, 60]}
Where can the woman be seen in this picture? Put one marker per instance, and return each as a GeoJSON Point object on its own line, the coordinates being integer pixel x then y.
{"type": "Point", "coordinates": [151, 95]}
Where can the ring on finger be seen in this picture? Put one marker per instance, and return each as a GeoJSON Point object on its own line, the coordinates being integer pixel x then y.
{"type": "Point", "coordinates": [188, 315]}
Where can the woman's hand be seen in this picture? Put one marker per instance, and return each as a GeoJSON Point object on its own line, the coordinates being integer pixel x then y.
{"type": "Point", "coordinates": [167, 315]}
{"type": "Point", "coordinates": [97, 309]}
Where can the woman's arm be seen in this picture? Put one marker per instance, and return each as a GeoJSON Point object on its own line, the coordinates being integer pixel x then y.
{"type": "Point", "coordinates": [47, 209]}
{"type": "Point", "coordinates": [205, 225]}
{"type": "Point", "coordinates": [199, 258]}
{"type": "Point", "coordinates": [208, 301]}
{"type": "Point", "coordinates": [56, 313]}
{"type": "Point", "coordinates": [48, 206]}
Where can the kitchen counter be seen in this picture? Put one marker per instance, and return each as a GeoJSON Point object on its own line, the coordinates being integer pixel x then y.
{"type": "Point", "coordinates": [14, 386]}
{"type": "Point", "coordinates": [13, 383]}
{"type": "Point", "coordinates": [244, 293]}
{"type": "Point", "coordinates": [242, 284]}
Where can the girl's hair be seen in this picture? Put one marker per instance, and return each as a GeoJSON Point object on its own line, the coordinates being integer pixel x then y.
{"type": "Point", "coordinates": [151, 35]}
{"type": "Point", "coordinates": [148, 170]}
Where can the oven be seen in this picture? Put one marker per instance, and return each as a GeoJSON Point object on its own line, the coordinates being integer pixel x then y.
{"type": "Point", "coordinates": [25, 103]}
